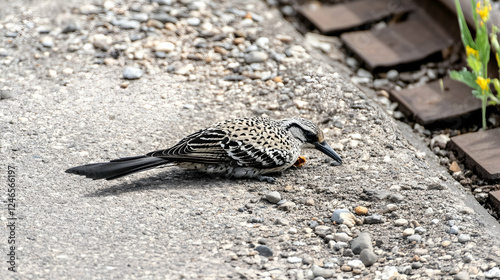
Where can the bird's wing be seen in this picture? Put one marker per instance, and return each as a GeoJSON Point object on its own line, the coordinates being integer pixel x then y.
{"type": "Point", "coordinates": [203, 146]}
{"type": "Point", "coordinates": [257, 156]}
{"type": "Point", "coordinates": [215, 146]}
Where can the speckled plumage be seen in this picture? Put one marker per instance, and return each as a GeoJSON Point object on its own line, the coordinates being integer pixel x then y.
{"type": "Point", "coordinates": [241, 148]}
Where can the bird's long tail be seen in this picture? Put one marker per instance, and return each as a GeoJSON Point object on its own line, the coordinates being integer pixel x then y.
{"type": "Point", "coordinates": [118, 167]}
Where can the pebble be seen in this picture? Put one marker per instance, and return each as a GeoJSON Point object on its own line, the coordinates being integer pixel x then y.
{"type": "Point", "coordinates": [294, 259]}
{"type": "Point", "coordinates": [126, 24]}
{"type": "Point", "coordinates": [401, 222]}
{"type": "Point", "coordinates": [361, 210]}
{"type": "Point", "coordinates": [392, 75]}
{"type": "Point", "coordinates": [356, 264]}
{"type": "Point", "coordinates": [344, 216]}
{"type": "Point", "coordinates": [193, 21]}
{"type": "Point", "coordinates": [493, 273]}
{"type": "Point", "coordinates": [255, 220]}
{"type": "Point", "coordinates": [70, 27]}
{"type": "Point", "coordinates": [362, 73]}
{"type": "Point", "coordinates": [164, 18]}
{"type": "Point", "coordinates": [368, 257]}
{"type": "Point", "coordinates": [341, 236]}
{"type": "Point", "coordinates": [453, 230]}
{"type": "Point", "coordinates": [381, 83]}
{"type": "Point", "coordinates": [47, 41]}
{"type": "Point", "coordinates": [374, 219]}
{"type": "Point", "coordinates": [264, 251]}
{"type": "Point", "coordinates": [462, 275]}
{"type": "Point", "coordinates": [6, 94]}
{"type": "Point", "coordinates": [363, 241]}
{"type": "Point", "coordinates": [140, 17]}
{"type": "Point", "coordinates": [273, 197]}
{"type": "Point", "coordinates": [463, 238]}
{"type": "Point", "coordinates": [440, 141]}
{"type": "Point", "coordinates": [321, 272]}
{"type": "Point", "coordinates": [132, 73]}
{"type": "Point", "coordinates": [408, 232]}
{"type": "Point", "coordinates": [414, 237]}
{"type": "Point", "coordinates": [165, 47]}
{"type": "Point", "coordinates": [286, 206]}
{"type": "Point", "coordinates": [255, 57]}
{"type": "Point", "coordinates": [322, 231]}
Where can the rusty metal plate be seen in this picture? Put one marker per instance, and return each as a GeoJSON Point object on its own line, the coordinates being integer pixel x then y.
{"type": "Point", "coordinates": [410, 41]}
{"type": "Point", "coordinates": [427, 104]}
{"type": "Point", "coordinates": [481, 150]}
{"type": "Point", "coordinates": [495, 199]}
{"type": "Point", "coordinates": [341, 17]}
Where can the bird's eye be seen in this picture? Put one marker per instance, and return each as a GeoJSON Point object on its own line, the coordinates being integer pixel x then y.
{"type": "Point", "coordinates": [311, 137]}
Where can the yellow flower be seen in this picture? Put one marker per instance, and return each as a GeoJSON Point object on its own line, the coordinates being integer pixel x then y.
{"type": "Point", "coordinates": [483, 10]}
{"type": "Point", "coordinates": [483, 83]}
{"type": "Point", "coordinates": [471, 51]}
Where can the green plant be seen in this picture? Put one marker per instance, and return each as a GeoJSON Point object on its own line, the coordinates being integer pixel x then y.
{"type": "Point", "coordinates": [478, 55]}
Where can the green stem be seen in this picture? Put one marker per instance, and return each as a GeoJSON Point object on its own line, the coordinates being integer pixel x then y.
{"type": "Point", "coordinates": [484, 103]}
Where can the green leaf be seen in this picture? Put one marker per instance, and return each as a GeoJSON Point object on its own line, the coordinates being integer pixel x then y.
{"type": "Point", "coordinates": [474, 64]}
{"type": "Point", "coordinates": [464, 29]}
{"type": "Point", "coordinates": [465, 77]}
{"type": "Point", "coordinates": [483, 47]}
{"type": "Point", "coordinates": [474, 13]}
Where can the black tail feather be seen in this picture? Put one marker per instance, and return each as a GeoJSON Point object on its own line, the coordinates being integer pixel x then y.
{"type": "Point", "coordinates": [117, 168]}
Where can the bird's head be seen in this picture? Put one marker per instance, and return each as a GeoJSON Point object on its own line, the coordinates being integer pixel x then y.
{"type": "Point", "coordinates": [308, 132]}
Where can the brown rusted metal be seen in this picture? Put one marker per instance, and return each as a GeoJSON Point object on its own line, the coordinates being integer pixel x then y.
{"type": "Point", "coordinates": [410, 41]}
{"type": "Point", "coordinates": [481, 150]}
{"type": "Point", "coordinates": [495, 199]}
{"type": "Point", "coordinates": [428, 105]}
{"type": "Point", "coordinates": [341, 17]}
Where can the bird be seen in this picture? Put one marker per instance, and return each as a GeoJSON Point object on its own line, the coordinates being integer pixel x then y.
{"type": "Point", "coordinates": [253, 147]}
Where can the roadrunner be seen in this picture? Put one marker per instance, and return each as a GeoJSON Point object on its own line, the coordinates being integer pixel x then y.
{"type": "Point", "coordinates": [240, 148]}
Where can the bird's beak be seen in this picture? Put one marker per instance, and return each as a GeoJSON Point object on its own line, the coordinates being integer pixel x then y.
{"type": "Point", "coordinates": [326, 149]}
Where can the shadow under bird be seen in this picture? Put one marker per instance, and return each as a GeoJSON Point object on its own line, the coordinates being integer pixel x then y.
{"type": "Point", "coordinates": [239, 148]}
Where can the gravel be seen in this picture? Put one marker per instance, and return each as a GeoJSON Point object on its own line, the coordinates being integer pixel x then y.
{"type": "Point", "coordinates": [66, 104]}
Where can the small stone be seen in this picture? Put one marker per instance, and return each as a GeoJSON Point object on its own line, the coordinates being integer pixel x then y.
{"type": "Point", "coordinates": [164, 18]}
{"type": "Point", "coordinates": [356, 264]}
{"type": "Point", "coordinates": [165, 47]}
{"type": "Point", "coordinates": [70, 27]}
{"type": "Point", "coordinates": [126, 24]}
{"type": "Point", "coordinates": [132, 73]}
{"type": "Point", "coordinates": [368, 257]}
{"type": "Point", "coordinates": [392, 75]}
{"type": "Point", "coordinates": [344, 216]}
{"type": "Point", "coordinates": [193, 21]}
{"type": "Point", "coordinates": [352, 62]}
{"type": "Point", "coordinates": [428, 212]}
{"type": "Point", "coordinates": [364, 73]}
{"type": "Point", "coordinates": [346, 268]}
{"type": "Point", "coordinates": [374, 219]}
{"type": "Point", "coordinates": [255, 220]}
{"type": "Point", "coordinates": [454, 167]}
{"type": "Point", "coordinates": [322, 231]}
{"type": "Point", "coordinates": [445, 243]}
{"type": "Point", "coordinates": [363, 241]}
{"type": "Point", "coordinates": [381, 83]}
{"type": "Point", "coordinates": [408, 232]}
{"type": "Point", "coordinates": [6, 94]}
{"type": "Point", "coordinates": [341, 236]}
{"type": "Point", "coordinates": [294, 260]}
{"type": "Point", "coordinates": [361, 210]}
{"type": "Point", "coordinates": [453, 230]}
{"type": "Point", "coordinates": [401, 222]}
{"type": "Point", "coordinates": [463, 238]}
{"type": "Point", "coordinates": [414, 238]}
{"type": "Point", "coordinates": [493, 273]}
{"type": "Point", "coordinates": [255, 57]}
{"type": "Point", "coordinates": [287, 206]}
{"type": "Point", "coordinates": [155, 23]}
{"type": "Point", "coordinates": [273, 197]}
{"type": "Point", "coordinates": [440, 141]}
{"type": "Point", "coordinates": [321, 272]}
{"type": "Point", "coordinates": [140, 17]}
{"type": "Point", "coordinates": [462, 275]}
{"type": "Point", "coordinates": [47, 41]}
{"type": "Point", "coordinates": [309, 201]}
{"type": "Point", "coordinates": [390, 272]}
{"type": "Point", "coordinates": [264, 251]}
